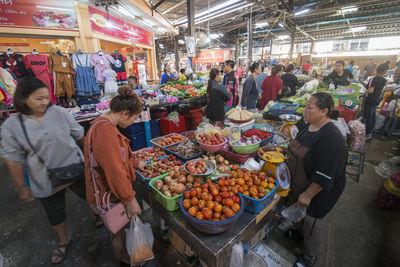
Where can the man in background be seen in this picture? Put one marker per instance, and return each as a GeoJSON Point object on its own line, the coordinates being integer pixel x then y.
{"type": "Point", "coordinates": [232, 83]}
{"type": "Point", "coordinates": [306, 67]}
{"type": "Point", "coordinates": [369, 70]}
{"type": "Point", "coordinates": [350, 66]}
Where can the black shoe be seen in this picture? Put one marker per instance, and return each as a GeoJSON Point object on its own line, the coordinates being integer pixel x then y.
{"type": "Point", "coordinates": [305, 261]}
{"type": "Point", "coordinates": [295, 235]}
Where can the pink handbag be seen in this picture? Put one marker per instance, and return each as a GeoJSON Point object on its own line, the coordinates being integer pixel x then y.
{"type": "Point", "coordinates": [113, 214]}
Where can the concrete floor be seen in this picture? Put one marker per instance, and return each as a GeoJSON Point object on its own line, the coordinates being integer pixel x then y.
{"type": "Point", "coordinates": [358, 233]}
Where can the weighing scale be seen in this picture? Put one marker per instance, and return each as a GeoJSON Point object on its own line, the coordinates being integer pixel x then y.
{"type": "Point", "coordinates": [289, 128]}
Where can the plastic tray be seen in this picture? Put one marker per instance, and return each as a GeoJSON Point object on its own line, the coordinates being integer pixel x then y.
{"type": "Point", "coordinates": [154, 141]}
{"type": "Point", "coordinates": [258, 205]}
{"type": "Point", "coordinates": [169, 203]}
{"type": "Point", "coordinates": [145, 181]}
{"type": "Point", "coordinates": [167, 149]}
{"type": "Point", "coordinates": [283, 108]}
{"type": "Point", "coordinates": [149, 149]}
{"type": "Point", "coordinates": [189, 132]}
{"type": "Point", "coordinates": [212, 227]}
{"type": "Point", "coordinates": [232, 156]}
{"type": "Point", "coordinates": [266, 133]}
{"type": "Point", "coordinates": [263, 126]}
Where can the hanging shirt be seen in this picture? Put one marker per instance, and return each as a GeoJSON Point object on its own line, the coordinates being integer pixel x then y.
{"type": "Point", "coordinates": [17, 64]}
{"type": "Point", "coordinates": [8, 80]}
{"type": "Point", "coordinates": [100, 63]}
{"type": "Point", "coordinates": [82, 59]}
{"type": "Point", "coordinates": [61, 64]}
{"type": "Point", "coordinates": [119, 63]}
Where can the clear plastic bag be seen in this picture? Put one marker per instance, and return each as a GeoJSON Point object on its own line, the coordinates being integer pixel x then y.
{"type": "Point", "coordinates": [294, 212]}
{"type": "Point", "coordinates": [236, 259]}
{"type": "Point", "coordinates": [251, 165]}
{"type": "Point", "coordinates": [139, 242]}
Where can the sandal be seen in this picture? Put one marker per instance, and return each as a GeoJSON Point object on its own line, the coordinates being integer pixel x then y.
{"type": "Point", "coordinates": [98, 221]}
{"type": "Point", "coordinates": [305, 261]}
{"type": "Point", "coordinates": [61, 254]}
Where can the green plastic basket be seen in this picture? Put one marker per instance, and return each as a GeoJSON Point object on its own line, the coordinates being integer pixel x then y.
{"type": "Point", "coordinates": [170, 203]}
{"type": "Point", "coordinates": [245, 150]}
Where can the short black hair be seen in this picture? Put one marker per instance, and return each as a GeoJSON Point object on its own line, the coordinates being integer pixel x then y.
{"type": "Point", "coordinates": [351, 62]}
{"type": "Point", "coordinates": [25, 88]}
{"type": "Point", "coordinates": [254, 66]}
{"type": "Point", "coordinates": [230, 63]}
{"type": "Point", "coordinates": [289, 68]}
{"type": "Point", "coordinates": [133, 78]}
{"type": "Point", "coordinates": [182, 71]}
{"type": "Point", "coordinates": [382, 68]}
{"type": "Point", "coordinates": [340, 62]}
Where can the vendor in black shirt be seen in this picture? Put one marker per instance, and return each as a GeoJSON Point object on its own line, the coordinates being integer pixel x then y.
{"type": "Point", "coordinates": [290, 81]}
{"type": "Point", "coordinates": [374, 91]}
{"type": "Point", "coordinates": [340, 76]}
{"type": "Point", "coordinates": [217, 96]}
{"type": "Point", "coordinates": [317, 163]}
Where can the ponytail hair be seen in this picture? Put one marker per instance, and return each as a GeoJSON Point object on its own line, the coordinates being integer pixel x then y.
{"type": "Point", "coordinates": [276, 69]}
{"type": "Point", "coordinates": [213, 74]}
{"type": "Point", "coordinates": [126, 100]}
{"type": "Point", "coordinates": [325, 100]}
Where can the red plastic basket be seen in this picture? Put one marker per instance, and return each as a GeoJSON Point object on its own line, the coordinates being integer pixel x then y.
{"type": "Point", "coordinates": [232, 156]}
{"type": "Point", "coordinates": [347, 114]}
{"type": "Point", "coordinates": [193, 118]}
{"type": "Point", "coordinates": [167, 126]}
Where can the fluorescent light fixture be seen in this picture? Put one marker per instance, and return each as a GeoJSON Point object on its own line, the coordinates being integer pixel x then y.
{"type": "Point", "coordinates": [146, 23]}
{"type": "Point", "coordinates": [123, 11]}
{"type": "Point", "coordinates": [283, 37]}
{"type": "Point", "coordinates": [348, 9]}
{"type": "Point", "coordinates": [304, 11]}
{"type": "Point", "coordinates": [209, 11]}
{"type": "Point", "coordinates": [280, 24]}
{"type": "Point", "coordinates": [358, 29]}
{"type": "Point", "coordinates": [261, 24]}
{"type": "Point", "coordinates": [213, 16]}
{"type": "Point", "coordinates": [54, 8]}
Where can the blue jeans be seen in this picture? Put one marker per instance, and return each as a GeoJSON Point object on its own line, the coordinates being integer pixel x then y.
{"type": "Point", "coordinates": [369, 118]}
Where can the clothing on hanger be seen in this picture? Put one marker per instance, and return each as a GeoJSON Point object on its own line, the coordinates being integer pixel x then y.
{"type": "Point", "coordinates": [63, 75]}
{"type": "Point", "coordinates": [40, 67]}
{"type": "Point", "coordinates": [110, 84]}
{"type": "Point", "coordinates": [100, 63]}
{"type": "Point", "coordinates": [17, 64]}
{"type": "Point", "coordinates": [119, 66]}
{"type": "Point", "coordinates": [86, 84]}
{"type": "Point", "coordinates": [8, 80]}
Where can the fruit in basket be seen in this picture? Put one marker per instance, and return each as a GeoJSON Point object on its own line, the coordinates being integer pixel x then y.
{"type": "Point", "coordinates": [160, 166]}
{"type": "Point", "coordinates": [172, 139]}
{"type": "Point", "coordinates": [247, 141]}
{"type": "Point", "coordinates": [196, 167]}
{"type": "Point", "coordinates": [191, 135]}
{"type": "Point", "coordinates": [211, 207]}
{"type": "Point", "coordinates": [150, 154]}
{"type": "Point", "coordinates": [211, 138]}
{"type": "Point", "coordinates": [222, 164]}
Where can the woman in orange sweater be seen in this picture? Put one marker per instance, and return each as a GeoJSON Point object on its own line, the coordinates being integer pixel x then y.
{"type": "Point", "coordinates": [116, 165]}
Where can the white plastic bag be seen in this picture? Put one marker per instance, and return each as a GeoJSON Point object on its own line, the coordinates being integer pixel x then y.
{"type": "Point", "coordinates": [139, 242]}
{"type": "Point", "coordinates": [251, 165]}
{"type": "Point", "coordinates": [236, 259]}
{"type": "Point", "coordinates": [294, 213]}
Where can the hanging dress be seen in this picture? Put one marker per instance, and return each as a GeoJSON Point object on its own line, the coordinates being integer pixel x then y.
{"type": "Point", "coordinates": [85, 81]}
{"type": "Point", "coordinates": [110, 84]}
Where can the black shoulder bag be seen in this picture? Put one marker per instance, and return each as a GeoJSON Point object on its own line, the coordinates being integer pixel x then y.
{"type": "Point", "coordinates": [58, 176]}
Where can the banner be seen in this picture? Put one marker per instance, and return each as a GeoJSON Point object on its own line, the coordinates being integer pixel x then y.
{"type": "Point", "coordinates": [118, 28]}
{"type": "Point", "coordinates": [49, 14]}
{"type": "Point", "coordinates": [213, 56]}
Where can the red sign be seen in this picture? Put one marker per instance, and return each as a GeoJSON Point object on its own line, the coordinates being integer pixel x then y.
{"type": "Point", "coordinates": [213, 56]}
{"type": "Point", "coordinates": [118, 28]}
{"type": "Point", "coordinates": [50, 14]}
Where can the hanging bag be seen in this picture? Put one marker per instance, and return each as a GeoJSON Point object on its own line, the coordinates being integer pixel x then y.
{"type": "Point", "coordinates": [58, 176]}
{"type": "Point", "coordinates": [113, 214]}
{"type": "Point", "coordinates": [139, 242]}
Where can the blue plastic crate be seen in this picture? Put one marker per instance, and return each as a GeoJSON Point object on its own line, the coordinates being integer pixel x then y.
{"type": "Point", "coordinates": [258, 205]}
{"type": "Point", "coordinates": [283, 108]}
{"type": "Point", "coordinates": [155, 128]}
{"type": "Point", "coordinates": [136, 128]}
{"type": "Point", "coordinates": [138, 141]}
{"type": "Point", "coordinates": [266, 141]}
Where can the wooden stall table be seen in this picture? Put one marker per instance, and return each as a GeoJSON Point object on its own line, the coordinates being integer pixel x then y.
{"type": "Point", "coordinates": [214, 250]}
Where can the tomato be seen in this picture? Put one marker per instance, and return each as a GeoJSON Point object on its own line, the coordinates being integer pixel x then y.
{"type": "Point", "coordinates": [224, 189]}
{"type": "Point", "coordinates": [194, 201]}
{"type": "Point", "coordinates": [196, 185]}
{"type": "Point", "coordinates": [236, 199]}
{"type": "Point", "coordinates": [235, 190]}
{"type": "Point", "coordinates": [257, 181]}
{"type": "Point", "coordinates": [208, 181]}
{"type": "Point", "coordinates": [214, 191]}
{"type": "Point", "coordinates": [221, 182]}
{"type": "Point", "coordinates": [228, 213]}
{"type": "Point", "coordinates": [218, 208]}
{"type": "Point", "coordinates": [218, 198]}
{"type": "Point", "coordinates": [192, 211]}
{"type": "Point", "coordinates": [211, 205]}
{"type": "Point", "coordinates": [186, 195]}
{"type": "Point", "coordinates": [224, 195]}
{"type": "Point", "coordinates": [271, 180]}
{"type": "Point", "coordinates": [186, 204]}
{"type": "Point", "coordinates": [193, 192]}
{"type": "Point", "coordinates": [232, 182]}
{"type": "Point", "coordinates": [235, 167]}
{"type": "Point", "coordinates": [261, 195]}
{"type": "Point", "coordinates": [207, 213]}
{"type": "Point", "coordinates": [264, 184]}
{"type": "Point", "coordinates": [240, 181]}
{"type": "Point", "coordinates": [246, 193]}
{"type": "Point", "coordinates": [217, 215]}
{"type": "Point", "coordinates": [229, 202]}
{"type": "Point", "coordinates": [201, 204]}
{"type": "Point", "coordinates": [198, 190]}
{"type": "Point", "coordinates": [271, 186]}
{"type": "Point", "coordinates": [245, 187]}
{"type": "Point", "coordinates": [200, 215]}
{"type": "Point", "coordinates": [210, 197]}
{"type": "Point", "coordinates": [236, 207]}
{"type": "Point", "coordinates": [205, 190]}
{"type": "Point", "coordinates": [241, 190]}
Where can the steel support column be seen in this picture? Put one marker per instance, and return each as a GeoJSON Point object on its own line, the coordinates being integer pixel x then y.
{"type": "Point", "coordinates": [237, 47]}
{"type": "Point", "coordinates": [250, 38]}
{"type": "Point", "coordinates": [292, 37]}
{"type": "Point", "coordinates": [176, 51]}
{"type": "Point", "coordinates": [190, 15]}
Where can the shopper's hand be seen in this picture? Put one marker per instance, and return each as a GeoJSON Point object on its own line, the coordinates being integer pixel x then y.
{"type": "Point", "coordinates": [141, 165]}
{"type": "Point", "coordinates": [25, 194]}
{"type": "Point", "coordinates": [133, 209]}
{"type": "Point", "coordinates": [304, 200]}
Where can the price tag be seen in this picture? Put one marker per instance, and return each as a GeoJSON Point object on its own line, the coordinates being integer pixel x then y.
{"type": "Point", "coordinates": [64, 64]}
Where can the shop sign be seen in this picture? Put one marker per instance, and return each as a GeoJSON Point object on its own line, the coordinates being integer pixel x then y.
{"type": "Point", "coordinates": [213, 56]}
{"type": "Point", "coordinates": [37, 14]}
{"type": "Point", "coordinates": [118, 28]}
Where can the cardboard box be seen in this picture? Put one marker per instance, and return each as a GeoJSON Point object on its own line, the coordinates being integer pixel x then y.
{"type": "Point", "coordinates": [181, 247]}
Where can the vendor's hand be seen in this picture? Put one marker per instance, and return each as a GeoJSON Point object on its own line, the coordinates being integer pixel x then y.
{"type": "Point", "coordinates": [25, 194]}
{"type": "Point", "coordinates": [133, 209]}
{"type": "Point", "coordinates": [141, 165]}
{"type": "Point", "coordinates": [304, 200]}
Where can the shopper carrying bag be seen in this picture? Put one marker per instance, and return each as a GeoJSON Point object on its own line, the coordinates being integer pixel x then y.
{"type": "Point", "coordinates": [110, 168]}
{"type": "Point", "coordinates": [44, 138]}
{"type": "Point", "coordinates": [139, 242]}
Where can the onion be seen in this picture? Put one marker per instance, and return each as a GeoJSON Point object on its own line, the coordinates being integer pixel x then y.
{"type": "Point", "coordinates": [182, 179]}
{"type": "Point", "coordinates": [158, 184]}
{"type": "Point", "coordinates": [167, 193]}
{"type": "Point", "coordinates": [164, 188]}
{"type": "Point", "coordinates": [190, 178]}
{"type": "Point", "coordinates": [176, 174]}
{"type": "Point", "coordinates": [178, 188]}
{"type": "Point", "coordinates": [167, 179]}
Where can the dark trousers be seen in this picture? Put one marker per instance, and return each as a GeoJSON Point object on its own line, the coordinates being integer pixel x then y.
{"type": "Point", "coordinates": [369, 117]}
